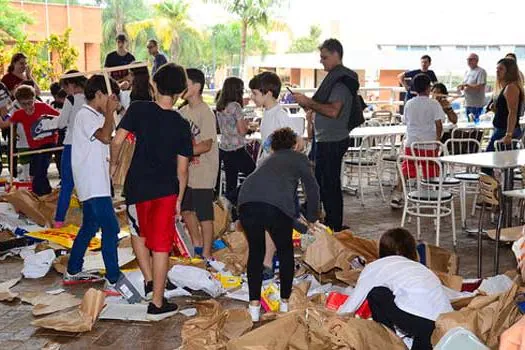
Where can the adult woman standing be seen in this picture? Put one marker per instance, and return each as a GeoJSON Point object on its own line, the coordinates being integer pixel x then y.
{"type": "Point", "coordinates": [17, 72]}
{"type": "Point", "coordinates": [507, 104]}
{"type": "Point", "coordinates": [233, 130]}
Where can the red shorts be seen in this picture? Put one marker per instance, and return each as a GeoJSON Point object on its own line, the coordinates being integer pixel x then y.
{"type": "Point", "coordinates": [429, 170]}
{"type": "Point", "coordinates": [157, 223]}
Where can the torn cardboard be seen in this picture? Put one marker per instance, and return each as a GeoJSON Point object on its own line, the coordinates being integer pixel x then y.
{"type": "Point", "coordinates": [45, 303]}
{"type": "Point", "coordinates": [5, 292]}
{"type": "Point", "coordinates": [78, 320]}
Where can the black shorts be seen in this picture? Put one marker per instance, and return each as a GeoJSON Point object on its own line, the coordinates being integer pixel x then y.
{"type": "Point", "coordinates": [199, 200]}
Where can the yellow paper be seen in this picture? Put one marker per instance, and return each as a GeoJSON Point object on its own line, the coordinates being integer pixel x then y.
{"type": "Point", "coordinates": [229, 282]}
{"type": "Point", "coordinates": [270, 298]}
{"type": "Point", "coordinates": [64, 236]}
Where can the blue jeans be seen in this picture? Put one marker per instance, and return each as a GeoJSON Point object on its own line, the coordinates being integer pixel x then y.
{"type": "Point", "coordinates": [66, 185]}
{"type": "Point", "coordinates": [38, 169]}
{"type": "Point", "coordinates": [97, 213]}
{"type": "Point", "coordinates": [474, 110]}
{"type": "Point", "coordinates": [498, 134]}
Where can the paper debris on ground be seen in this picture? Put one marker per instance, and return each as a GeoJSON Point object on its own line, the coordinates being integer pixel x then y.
{"type": "Point", "coordinates": [56, 291]}
{"type": "Point", "coordinates": [195, 279]}
{"type": "Point", "coordinates": [125, 312]}
{"type": "Point", "coordinates": [64, 236]}
{"type": "Point", "coordinates": [78, 320]}
{"type": "Point", "coordinates": [93, 261]}
{"type": "Point", "coordinates": [137, 280]}
{"type": "Point", "coordinates": [241, 294]}
{"type": "Point", "coordinates": [5, 292]}
{"type": "Point", "coordinates": [44, 303]}
{"type": "Point", "coordinates": [189, 312]}
{"type": "Point", "coordinates": [38, 265]}
{"type": "Point", "coordinates": [495, 285]}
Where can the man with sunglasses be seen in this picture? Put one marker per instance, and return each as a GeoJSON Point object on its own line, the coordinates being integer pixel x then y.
{"type": "Point", "coordinates": [158, 58]}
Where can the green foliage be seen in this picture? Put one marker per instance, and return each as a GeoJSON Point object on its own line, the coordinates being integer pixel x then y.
{"type": "Point", "coordinates": [66, 55]}
{"type": "Point", "coordinates": [307, 43]}
{"type": "Point", "coordinates": [12, 21]}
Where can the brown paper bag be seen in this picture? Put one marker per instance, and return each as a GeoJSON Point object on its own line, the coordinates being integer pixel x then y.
{"type": "Point", "coordinates": [235, 256]}
{"type": "Point", "coordinates": [486, 316]}
{"type": "Point", "coordinates": [298, 299]}
{"type": "Point", "coordinates": [78, 320]}
{"type": "Point", "coordinates": [5, 292]}
{"type": "Point", "coordinates": [238, 322]}
{"type": "Point", "coordinates": [451, 281]}
{"type": "Point", "coordinates": [44, 303]}
{"type": "Point", "coordinates": [322, 254]}
{"type": "Point", "coordinates": [365, 248]}
{"type": "Point", "coordinates": [124, 161]}
{"type": "Point", "coordinates": [205, 329]}
{"type": "Point", "coordinates": [60, 264]}
{"type": "Point", "coordinates": [441, 260]}
{"type": "Point", "coordinates": [221, 219]}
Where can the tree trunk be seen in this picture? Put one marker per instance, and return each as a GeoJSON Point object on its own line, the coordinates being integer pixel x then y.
{"type": "Point", "coordinates": [173, 49]}
{"type": "Point", "coordinates": [244, 30]}
{"type": "Point", "coordinates": [119, 21]}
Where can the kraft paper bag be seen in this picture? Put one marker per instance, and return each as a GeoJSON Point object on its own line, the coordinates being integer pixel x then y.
{"type": "Point", "coordinates": [235, 255]}
{"type": "Point", "coordinates": [5, 292]}
{"type": "Point", "coordinates": [221, 219]}
{"type": "Point", "coordinates": [322, 254]}
{"type": "Point", "coordinates": [298, 299]}
{"type": "Point", "coordinates": [486, 316]}
{"type": "Point", "coordinates": [238, 322]}
{"type": "Point", "coordinates": [365, 248]}
{"type": "Point", "coordinates": [78, 320]}
{"type": "Point", "coordinates": [450, 281]}
{"type": "Point", "coordinates": [44, 303]}
{"type": "Point", "coordinates": [124, 161]}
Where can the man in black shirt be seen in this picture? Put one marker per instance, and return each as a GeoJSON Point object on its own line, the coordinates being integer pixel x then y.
{"type": "Point", "coordinates": [120, 57]}
{"type": "Point", "coordinates": [405, 78]}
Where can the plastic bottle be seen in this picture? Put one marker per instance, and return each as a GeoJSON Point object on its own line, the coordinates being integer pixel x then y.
{"type": "Point", "coordinates": [471, 117]}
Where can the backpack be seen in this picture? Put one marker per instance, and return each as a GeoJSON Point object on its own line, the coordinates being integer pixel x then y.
{"type": "Point", "coordinates": [358, 104]}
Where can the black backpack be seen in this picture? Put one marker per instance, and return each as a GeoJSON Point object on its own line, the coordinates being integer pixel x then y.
{"type": "Point", "coordinates": [358, 104]}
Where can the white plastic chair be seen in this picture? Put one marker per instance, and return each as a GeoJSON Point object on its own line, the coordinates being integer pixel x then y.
{"type": "Point", "coordinates": [422, 201]}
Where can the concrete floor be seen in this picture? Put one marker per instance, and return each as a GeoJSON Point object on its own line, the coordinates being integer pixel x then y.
{"type": "Point", "coordinates": [370, 221]}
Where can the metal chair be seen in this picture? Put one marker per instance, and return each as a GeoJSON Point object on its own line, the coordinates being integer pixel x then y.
{"type": "Point", "coordinates": [468, 175]}
{"type": "Point", "coordinates": [490, 194]}
{"type": "Point", "coordinates": [384, 117]}
{"type": "Point", "coordinates": [422, 201]}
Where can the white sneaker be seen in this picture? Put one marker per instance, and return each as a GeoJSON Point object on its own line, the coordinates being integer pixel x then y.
{"type": "Point", "coordinates": [283, 306]}
{"type": "Point", "coordinates": [255, 312]}
{"type": "Point", "coordinates": [396, 201]}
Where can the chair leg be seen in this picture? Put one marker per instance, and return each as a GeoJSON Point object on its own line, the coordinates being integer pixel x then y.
{"type": "Point", "coordinates": [453, 218]}
{"type": "Point", "coordinates": [463, 204]}
{"type": "Point", "coordinates": [380, 184]}
{"type": "Point", "coordinates": [438, 223]}
{"type": "Point", "coordinates": [474, 204]}
{"type": "Point", "coordinates": [360, 186]}
{"type": "Point", "coordinates": [498, 233]}
{"type": "Point", "coordinates": [418, 220]}
{"type": "Point", "coordinates": [403, 217]}
{"type": "Point", "coordinates": [480, 241]}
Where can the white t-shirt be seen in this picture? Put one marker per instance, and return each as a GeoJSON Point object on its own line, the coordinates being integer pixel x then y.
{"type": "Point", "coordinates": [475, 97]}
{"type": "Point", "coordinates": [21, 139]}
{"type": "Point", "coordinates": [420, 116]}
{"type": "Point", "coordinates": [416, 289]}
{"type": "Point", "coordinates": [89, 156]}
{"type": "Point", "coordinates": [273, 119]}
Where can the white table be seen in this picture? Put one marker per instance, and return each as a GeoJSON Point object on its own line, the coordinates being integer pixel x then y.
{"type": "Point", "coordinates": [378, 131]}
{"type": "Point", "coordinates": [506, 161]}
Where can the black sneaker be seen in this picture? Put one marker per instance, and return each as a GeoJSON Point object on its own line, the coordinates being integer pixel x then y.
{"type": "Point", "coordinates": [159, 313]}
{"type": "Point", "coordinates": [267, 273]}
{"type": "Point", "coordinates": [148, 290]}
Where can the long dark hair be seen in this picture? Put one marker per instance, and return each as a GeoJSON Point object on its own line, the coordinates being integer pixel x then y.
{"type": "Point", "coordinates": [232, 91]}
{"type": "Point", "coordinates": [79, 81]}
{"type": "Point", "coordinates": [512, 75]}
{"type": "Point", "coordinates": [141, 89]}
{"type": "Point", "coordinates": [398, 241]}
{"type": "Point", "coordinates": [16, 57]}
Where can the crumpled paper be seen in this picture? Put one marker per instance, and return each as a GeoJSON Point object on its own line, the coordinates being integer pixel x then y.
{"type": "Point", "coordinates": [5, 292]}
{"type": "Point", "coordinates": [214, 326]}
{"type": "Point", "coordinates": [78, 320]}
{"type": "Point", "coordinates": [44, 303]}
{"type": "Point", "coordinates": [37, 265]}
{"type": "Point", "coordinates": [235, 256]}
{"type": "Point", "coordinates": [195, 279]}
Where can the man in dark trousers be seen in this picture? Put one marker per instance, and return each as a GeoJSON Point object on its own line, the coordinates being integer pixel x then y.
{"type": "Point", "coordinates": [332, 104]}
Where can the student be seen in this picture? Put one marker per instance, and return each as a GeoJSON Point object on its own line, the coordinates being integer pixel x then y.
{"type": "Point", "coordinates": [401, 292]}
{"type": "Point", "coordinates": [267, 203]}
{"type": "Point", "coordinates": [30, 116]}
{"type": "Point", "coordinates": [141, 89]}
{"type": "Point", "coordinates": [158, 58]}
{"type": "Point", "coordinates": [59, 96]}
{"type": "Point", "coordinates": [233, 129]}
{"type": "Point", "coordinates": [120, 57]}
{"type": "Point", "coordinates": [74, 87]}
{"type": "Point", "coordinates": [265, 89]}
{"type": "Point", "coordinates": [17, 72]}
{"type": "Point", "coordinates": [197, 205]}
{"type": "Point", "coordinates": [5, 106]}
{"type": "Point", "coordinates": [90, 166]}
{"type": "Point", "coordinates": [156, 180]}
{"type": "Point", "coordinates": [424, 120]}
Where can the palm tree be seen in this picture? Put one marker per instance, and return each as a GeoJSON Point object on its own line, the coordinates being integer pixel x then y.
{"type": "Point", "coordinates": [172, 26]}
{"type": "Point", "coordinates": [252, 14]}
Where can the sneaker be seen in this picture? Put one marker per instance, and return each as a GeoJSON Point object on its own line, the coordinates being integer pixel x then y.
{"type": "Point", "coordinates": [169, 285]}
{"type": "Point", "coordinates": [110, 290]}
{"type": "Point", "coordinates": [267, 273]}
{"type": "Point", "coordinates": [283, 306]}
{"type": "Point", "coordinates": [159, 313]}
{"type": "Point", "coordinates": [255, 312]}
{"type": "Point", "coordinates": [148, 290]}
{"type": "Point", "coordinates": [81, 277]}
{"type": "Point", "coordinates": [396, 200]}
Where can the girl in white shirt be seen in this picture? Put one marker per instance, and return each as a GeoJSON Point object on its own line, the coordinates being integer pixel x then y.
{"type": "Point", "coordinates": [401, 292]}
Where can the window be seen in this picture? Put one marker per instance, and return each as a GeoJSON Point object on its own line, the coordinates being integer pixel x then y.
{"type": "Point", "coordinates": [494, 48]}
{"type": "Point", "coordinates": [402, 47]}
{"type": "Point", "coordinates": [418, 48]}
{"type": "Point", "coordinates": [461, 47]}
{"type": "Point", "coordinates": [520, 52]}
{"type": "Point", "coordinates": [434, 48]}
{"type": "Point", "coordinates": [478, 48]}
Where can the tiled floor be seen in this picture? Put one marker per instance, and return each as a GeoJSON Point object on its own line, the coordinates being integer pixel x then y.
{"type": "Point", "coordinates": [16, 331]}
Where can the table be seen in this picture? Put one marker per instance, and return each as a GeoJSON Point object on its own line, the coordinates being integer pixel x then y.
{"type": "Point", "coordinates": [506, 161]}
{"type": "Point", "coordinates": [378, 131]}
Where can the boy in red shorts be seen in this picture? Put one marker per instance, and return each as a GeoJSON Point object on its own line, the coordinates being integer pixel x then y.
{"type": "Point", "coordinates": [423, 118]}
{"type": "Point", "coordinates": [157, 178]}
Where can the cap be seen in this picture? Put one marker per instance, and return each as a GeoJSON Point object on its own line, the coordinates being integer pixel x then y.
{"type": "Point", "coordinates": [122, 37]}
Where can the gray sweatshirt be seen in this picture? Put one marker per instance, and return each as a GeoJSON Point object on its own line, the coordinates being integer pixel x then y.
{"type": "Point", "coordinates": [275, 182]}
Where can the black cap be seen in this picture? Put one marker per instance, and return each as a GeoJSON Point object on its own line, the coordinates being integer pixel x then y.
{"type": "Point", "coordinates": [121, 37]}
